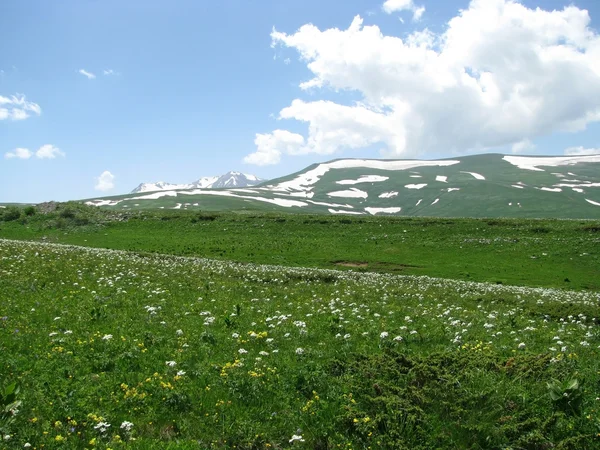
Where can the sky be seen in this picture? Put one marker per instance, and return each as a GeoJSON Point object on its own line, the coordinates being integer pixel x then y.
{"type": "Point", "coordinates": [97, 96]}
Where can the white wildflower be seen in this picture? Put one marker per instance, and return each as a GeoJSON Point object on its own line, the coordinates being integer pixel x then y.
{"type": "Point", "coordinates": [127, 426]}
{"type": "Point", "coordinates": [102, 427]}
{"type": "Point", "coordinates": [171, 363]}
{"type": "Point", "coordinates": [295, 438]}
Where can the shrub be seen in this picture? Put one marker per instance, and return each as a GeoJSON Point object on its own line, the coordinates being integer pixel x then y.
{"type": "Point", "coordinates": [11, 213]}
{"type": "Point", "coordinates": [67, 213]}
{"type": "Point", "coordinates": [29, 211]}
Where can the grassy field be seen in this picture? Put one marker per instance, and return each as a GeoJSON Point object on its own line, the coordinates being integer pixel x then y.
{"type": "Point", "coordinates": [115, 349]}
{"type": "Point", "coordinates": [548, 253]}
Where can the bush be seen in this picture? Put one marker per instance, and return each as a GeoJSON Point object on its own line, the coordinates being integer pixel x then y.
{"type": "Point", "coordinates": [11, 213]}
{"type": "Point", "coordinates": [29, 211]}
{"type": "Point", "coordinates": [67, 213]}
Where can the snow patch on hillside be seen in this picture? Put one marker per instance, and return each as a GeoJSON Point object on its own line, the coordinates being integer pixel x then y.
{"type": "Point", "coordinates": [441, 178]}
{"type": "Point", "coordinates": [99, 203]}
{"type": "Point", "coordinates": [415, 186]}
{"type": "Point", "coordinates": [334, 205]}
{"type": "Point", "coordinates": [351, 193]}
{"type": "Point", "coordinates": [533, 163]}
{"type": "Point", "coordinates": [577, 185]}
{"type": "Point", "coordinates": [364, 179]}
{"type": "Point", "coordinates": [156, 195]}
{"type": "Point", "coordinates": [592, 202]}
{"type": "Point", "coordinates": [476, 175]}
{"type": "Point", "coordinates": [339, 211]}
{"type": "Point", "coordinates": [374, 211]}
{"type": "Point", "coordinates": [390, 194]}
{"type": "Point", "coordinates": [306, 180]}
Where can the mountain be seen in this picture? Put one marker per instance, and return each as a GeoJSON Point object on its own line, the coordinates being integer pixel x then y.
{"type": "Point", "coordinates": [235, 180]}
{"type": "Point", "coordinates": [229, 180]}
{"type": "Point", "coordinates": [488, 185]}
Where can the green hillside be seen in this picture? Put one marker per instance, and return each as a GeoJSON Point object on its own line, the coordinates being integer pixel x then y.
{"type": "Point", "coordinates": [489, 185]}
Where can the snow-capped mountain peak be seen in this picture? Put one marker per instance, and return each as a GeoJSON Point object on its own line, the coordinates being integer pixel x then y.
{"type": "Point", "coordinates": [229, 180]}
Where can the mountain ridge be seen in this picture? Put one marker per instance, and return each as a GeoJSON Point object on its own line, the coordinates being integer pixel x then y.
{"type": "Point", "coordinates": [485, 185]}
{"type": "Point", "coordinates": [231, 179]}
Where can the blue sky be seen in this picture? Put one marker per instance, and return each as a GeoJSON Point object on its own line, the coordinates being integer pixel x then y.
{"type": "Point", "coordinates": [180, 89]}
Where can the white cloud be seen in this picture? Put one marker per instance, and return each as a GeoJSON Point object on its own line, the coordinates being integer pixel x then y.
{"type": "Point", "coordinates": [89, 75]}
{"type": "Point", "coordinates": [21, 153]}
{"type": "Point", "coordinates": [105, 182]}
{"type": "Point", "coordinates": [523, 146]}
{"type": "Point", "coordinates": [48, 151]}
{"type": "Point", "coordinates": [391, 6]}
{"type": "Point", "coordinates": [16, 107]}
{"type": "Point", "coordinates": [270, 146]}
{"type": "Point", "coordinates": [109, 72]}
{"type": "Point", "coordinates": [581, 151]}
{"type": "Point", "coordinates": [500, 74]}
{"type": "Point", "coordinates": [334, 127]}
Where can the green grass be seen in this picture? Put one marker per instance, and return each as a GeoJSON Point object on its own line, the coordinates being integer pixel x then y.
{"type": "Point", "coordinates": [214, 353]}
{"type": "Point", "coordinates": [201, 354]}
{"type": "Point", "coordinates": [548, 253]}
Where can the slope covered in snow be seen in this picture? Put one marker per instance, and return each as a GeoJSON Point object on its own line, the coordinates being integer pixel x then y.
{"type": "Point", "coordinates": [489, 185]}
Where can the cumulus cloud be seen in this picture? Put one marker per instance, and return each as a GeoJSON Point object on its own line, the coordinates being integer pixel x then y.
{"type": "Point", "coordinates": [109, 72]}
{"type": "Point", "coordinates": [16, 107]}
{"type": "Point", "coordinates": [87, 74]}
{"type": "Point", "coordinates": [47, 151]}
{"type": "Point", "coordinates": [499, 74]}
{"type": "Point", "coordinates": [581, 151]}
{"type": "Point", "coordinates": [270, 146]}
{"type": "Point", "coordinates": [20, 153]}
{"type": "Point", "coordinates": [105, 182]}
{"type": "Point", "coordinates": [391, 6]}
{"type": "Point", "coordinates": [523, 146]}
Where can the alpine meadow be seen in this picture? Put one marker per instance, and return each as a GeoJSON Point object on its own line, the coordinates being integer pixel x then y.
{"type": "Point", "coordinates": [357, 225]}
